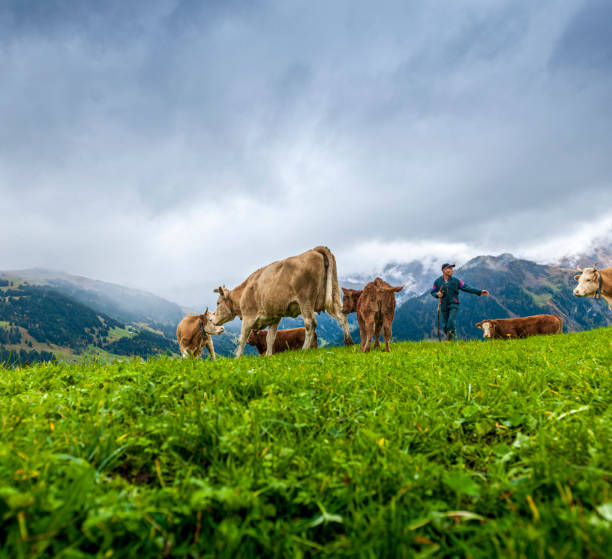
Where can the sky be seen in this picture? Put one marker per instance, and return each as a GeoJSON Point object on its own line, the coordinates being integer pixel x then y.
{"type": "Point", "coordinates": [176, 145]}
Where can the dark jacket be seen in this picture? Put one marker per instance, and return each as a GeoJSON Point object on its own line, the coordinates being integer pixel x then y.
{"type": "Point", "coordinates": [451, 290]}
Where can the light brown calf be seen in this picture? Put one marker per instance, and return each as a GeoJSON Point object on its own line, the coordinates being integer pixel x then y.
{"type": "Point", "coordinates": [194, 332]}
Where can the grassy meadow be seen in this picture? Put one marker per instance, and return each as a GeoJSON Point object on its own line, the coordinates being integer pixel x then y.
{"type": "Point", "coordinates": [469, 449]}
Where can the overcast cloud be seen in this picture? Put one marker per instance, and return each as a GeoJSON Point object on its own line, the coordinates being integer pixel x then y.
{"type": "Point", "coordinates": [177, 145]}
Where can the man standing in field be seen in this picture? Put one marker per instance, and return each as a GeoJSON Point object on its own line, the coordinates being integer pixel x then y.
{"type": "Point", "coordinates": [446, 289]}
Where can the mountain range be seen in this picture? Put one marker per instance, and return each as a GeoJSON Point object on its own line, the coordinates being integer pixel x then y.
{"type": "Point", "coordinates": [45, 313]}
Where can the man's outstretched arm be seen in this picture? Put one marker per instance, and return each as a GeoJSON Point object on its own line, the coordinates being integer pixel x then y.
{"type": "Point", "coordinates": [469, 289]}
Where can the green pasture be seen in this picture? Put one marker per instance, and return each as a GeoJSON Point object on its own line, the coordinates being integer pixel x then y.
{"type": "Point", "coordinates": [470, 449]}
{"type": "Point", "coordinates": [116, 333]}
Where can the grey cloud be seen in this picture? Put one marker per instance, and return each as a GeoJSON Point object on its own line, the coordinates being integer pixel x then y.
{"type": "Point", "coordinates": [336, 122]}
{"type": "Point", "coordinates": [586, 44]}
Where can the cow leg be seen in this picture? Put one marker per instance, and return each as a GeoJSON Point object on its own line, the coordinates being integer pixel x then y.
{"type": "Point", "coordinates": [343, 323]}
{"type": "Point", "coordinates": [310, 323]}
{"type": "Point", "coordinates": [245, 330]}
{"type": "Point", "coordinates": [387, 335]}
{"type": "Point", "coordinates": [369, 332]}
{"type": "Point", "coordinates": [183, 349]}
{"type": "Point", "coordinates": [377, 328]}
{"type": "Point", "coordinates": [270, 337]}
{"type": "Point", "coordinates": [211, 348]}
{"type": "Point", "coordinates": [362, 330]}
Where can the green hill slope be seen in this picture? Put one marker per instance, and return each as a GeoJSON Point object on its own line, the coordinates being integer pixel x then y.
{"type": "Point", "coordinates": [38, 324]}
{"type": "Point", "coordinates": [472, 449]}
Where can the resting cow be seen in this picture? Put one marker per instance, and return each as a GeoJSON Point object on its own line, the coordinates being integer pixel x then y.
{"type": "Point", "coordinates": [291, 338]}
{"type": "Point", "coordinates": [595, 283]}
{"type": "Point", "coordinates": [302, 284]}
{"type": "Point", "coordinates": [193, 333]}
{"type": "Point", "coordinates": [375, 307]}
{"type": "Point", "coordinates": [521, 327]}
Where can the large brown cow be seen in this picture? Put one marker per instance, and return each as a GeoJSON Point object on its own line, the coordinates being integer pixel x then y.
{"type": "Point", "coordinates": [521, 327]}
{"type": "Point", "coordinates": [193, 333]}
{"type": "Point", "coordinates": [302, 284]}
{"type": "Point", "coordinates": [291, 338]}
{"type": "Point", "coordinates": [594, 283]}
{"type": "Point", "coordinates": [375, 307]}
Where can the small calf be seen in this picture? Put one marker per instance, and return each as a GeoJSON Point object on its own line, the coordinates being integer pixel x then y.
{"type": "Point", "coordinates": [521, 327]}
{"type": "Point", "coordinates": [194, 332]}
{"type": "Point", "coordinates": [291, 338]}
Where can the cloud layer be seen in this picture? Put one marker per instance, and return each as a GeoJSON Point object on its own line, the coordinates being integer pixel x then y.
{"type": "Point", "coordinates": [175, 145]}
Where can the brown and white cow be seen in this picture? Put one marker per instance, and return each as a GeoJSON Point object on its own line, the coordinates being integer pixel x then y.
{"type": "Point", "coordinates": [291, 338]}
{"type": "Point", "coordinates": [375, 307]}
{"type": "Point", "coordinates": [302, 284]}
{"type": "Point", "coordinates": [521, 327]}
{"type": "Point", "coordinates": [594, 283]}
{"type": "Point", "coordinates": [193, 333]}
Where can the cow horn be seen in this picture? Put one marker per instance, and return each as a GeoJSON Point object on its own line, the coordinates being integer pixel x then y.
{"type": "Point", "coordinates": [579, 269]}
{"type": "Point", "coordinates": [595, 267]}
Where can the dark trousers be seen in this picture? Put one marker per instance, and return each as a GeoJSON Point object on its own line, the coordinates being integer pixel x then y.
{"type": "Point", "coordinates": [449, 314]}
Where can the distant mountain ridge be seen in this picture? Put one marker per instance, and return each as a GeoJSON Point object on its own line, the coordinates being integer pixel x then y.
{"type": "Point", "coordinates": [123, 303]}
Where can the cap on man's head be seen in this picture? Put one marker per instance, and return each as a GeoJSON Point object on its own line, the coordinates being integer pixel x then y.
{"type": "Point", "coordinates": [447, 265]}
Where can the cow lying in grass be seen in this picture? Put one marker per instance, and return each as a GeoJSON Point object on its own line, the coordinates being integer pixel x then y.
{"type": "Point", "coordinates": [375, 308]}
{"type": "Point", "coordinates": [521, 327]}
{"type": "Point", "coordinates": [193, 333]}
{"type": "Point", "coordinates": [291, 338]}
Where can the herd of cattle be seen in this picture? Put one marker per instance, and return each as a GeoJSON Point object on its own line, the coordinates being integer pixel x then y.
{"type": "Point", "coordinates": [308, 283]}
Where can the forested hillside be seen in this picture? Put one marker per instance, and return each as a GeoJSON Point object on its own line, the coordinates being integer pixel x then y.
{"type": "Point", "coordinates": [39, 324]}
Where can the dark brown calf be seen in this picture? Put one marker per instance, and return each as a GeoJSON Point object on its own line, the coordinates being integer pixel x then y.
{"type": "Point", "coordinates": [521, 327]}
{"type": "Point", "coordinates": [349, 299]}
{"type": "Point", "coordinates": [375, 307]}
{"type": "Point", "coordinates": [291, 338]}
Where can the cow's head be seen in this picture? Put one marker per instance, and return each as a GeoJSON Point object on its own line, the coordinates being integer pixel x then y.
{"type": "Point", "coordinates": [349, 299]}
{"type": "Point", "coordinates": [225, 311]}
{"type": "Point", "coordinates": [256, 336]}
{"type": "Point", "coordinates": [588, 282]}
{"type": "Point", "coordinates": [208, 320]}
{"type": "Point", "coordinates": [487, 327]}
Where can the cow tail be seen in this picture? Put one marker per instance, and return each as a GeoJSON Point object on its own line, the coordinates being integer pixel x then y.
{"type": "Point", "coordinates": [328, 262]}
